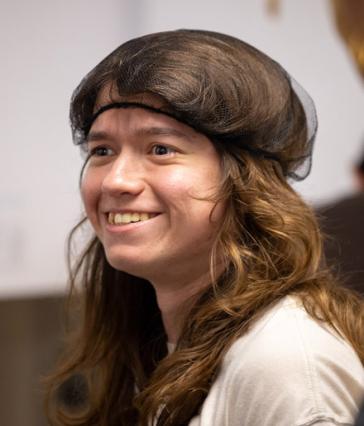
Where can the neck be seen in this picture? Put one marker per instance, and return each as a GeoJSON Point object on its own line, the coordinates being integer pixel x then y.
{"type": "Point", "coordinates": [175, 301]}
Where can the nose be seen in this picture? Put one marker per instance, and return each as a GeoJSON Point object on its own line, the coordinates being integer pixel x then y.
{"type": "Point", "coordinates": [125, 176]}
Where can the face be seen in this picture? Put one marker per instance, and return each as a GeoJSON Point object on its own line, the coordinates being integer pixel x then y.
{"type": "Point", "coordinates": [140, 188]}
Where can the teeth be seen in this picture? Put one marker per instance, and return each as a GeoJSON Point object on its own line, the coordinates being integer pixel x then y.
{"type": "Point", "coordinates": [135, 217]}
{"type": "Point", "coordinates": [144, 216]}
{"type": "Point", "coordinates": [110, 218]}
{"type": "Point", "coordinates": [123, 218]}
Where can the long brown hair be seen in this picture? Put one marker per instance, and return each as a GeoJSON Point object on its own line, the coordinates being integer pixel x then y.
{"type": "Point", "coordinates": [116, 370]}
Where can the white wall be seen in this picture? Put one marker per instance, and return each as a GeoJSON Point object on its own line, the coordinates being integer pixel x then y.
{"type": "Point", "coordinates": [46, 49]}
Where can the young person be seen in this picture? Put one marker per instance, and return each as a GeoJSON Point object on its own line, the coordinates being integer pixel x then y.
{"type": "Point", "coordinates": [203, 293]}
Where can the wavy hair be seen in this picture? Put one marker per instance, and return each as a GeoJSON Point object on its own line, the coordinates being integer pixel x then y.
{"type": "Point", "coordinates": [116, 369]}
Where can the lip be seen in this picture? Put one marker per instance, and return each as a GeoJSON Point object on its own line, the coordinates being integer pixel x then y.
{"type": "Point", "coordinates": [121, 229]}
{"type": "Point", "coordinates": [124, 211]}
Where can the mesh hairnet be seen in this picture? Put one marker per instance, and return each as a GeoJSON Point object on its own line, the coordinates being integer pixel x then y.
{"type": "Point", "coordinates": [213, 102]}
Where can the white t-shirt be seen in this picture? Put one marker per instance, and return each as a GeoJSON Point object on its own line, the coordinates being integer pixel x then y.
{"type": "Point", "coordinates": [288, 370]}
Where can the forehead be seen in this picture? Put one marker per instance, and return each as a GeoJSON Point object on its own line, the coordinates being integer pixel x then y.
{"type": "Point", "coordinates": [147, 114]}
{"type": "Point", "coordinates": [139, 122]}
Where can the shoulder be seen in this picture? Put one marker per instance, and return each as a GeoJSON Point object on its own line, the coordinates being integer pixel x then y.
{"type": "Point", "coordinates": [287, 331]}
{"type": "Point", "coordinates": [290, 365]}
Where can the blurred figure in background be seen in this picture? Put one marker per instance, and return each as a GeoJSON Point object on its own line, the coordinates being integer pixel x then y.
{"type": "Point", "coordinates": [343, 224]}
{"type": "Point", "coordinates": [360, 418]}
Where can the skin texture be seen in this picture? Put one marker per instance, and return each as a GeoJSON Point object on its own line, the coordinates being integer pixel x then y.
{"type": "Point", "coordinates": [143, 161]}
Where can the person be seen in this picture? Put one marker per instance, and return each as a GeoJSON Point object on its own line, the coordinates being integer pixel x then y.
{"type": "Point", "coordinates": [342, 223]}
{"type": "Point", "coordinates": [360, 418]}
{"type": "Point", "coordinates": [202, 295]}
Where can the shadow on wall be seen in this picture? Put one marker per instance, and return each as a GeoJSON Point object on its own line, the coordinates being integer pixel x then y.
{"type": "Point", "coordinates": [31, 338]}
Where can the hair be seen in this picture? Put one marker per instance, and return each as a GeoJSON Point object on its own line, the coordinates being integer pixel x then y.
{"type": "Point", "coordinates": [116, 370]}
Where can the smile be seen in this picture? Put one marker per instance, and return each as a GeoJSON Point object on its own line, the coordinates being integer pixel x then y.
{"type": "Point", "coordinates": [125, 218]}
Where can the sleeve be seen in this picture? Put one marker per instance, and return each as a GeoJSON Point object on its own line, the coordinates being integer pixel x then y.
{"type": "Point", "coordinates": [296, 374]}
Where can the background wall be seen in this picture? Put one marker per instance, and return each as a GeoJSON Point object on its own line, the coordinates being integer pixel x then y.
{"type": "Point", "coordinates": [47, 47]}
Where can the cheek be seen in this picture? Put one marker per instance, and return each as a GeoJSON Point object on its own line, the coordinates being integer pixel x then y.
{"type": "Point", "coordinates": [90, 190]}
{"type": "Point", "coordinates": [176, 187]}
{"type": "Point", "coordinates": [198, 179]}
{"type": "Point", "coordinates": [181, 190]}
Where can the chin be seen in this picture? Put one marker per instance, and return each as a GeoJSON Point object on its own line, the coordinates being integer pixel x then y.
{"type": "Point", "coordinates": [130, 266]}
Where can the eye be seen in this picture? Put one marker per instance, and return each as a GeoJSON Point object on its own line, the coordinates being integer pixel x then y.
{"type": "Point", "coordinates": [160, 150]}
{"type": "Point", "coordinates": [100, 151]}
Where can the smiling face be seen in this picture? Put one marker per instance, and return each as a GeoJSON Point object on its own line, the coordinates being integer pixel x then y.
{"type": "Point", "coordinates": [139, 189]}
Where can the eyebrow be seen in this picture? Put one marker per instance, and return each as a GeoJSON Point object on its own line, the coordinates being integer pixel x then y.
{"type": "Point", "coordinates": [143, 131]}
